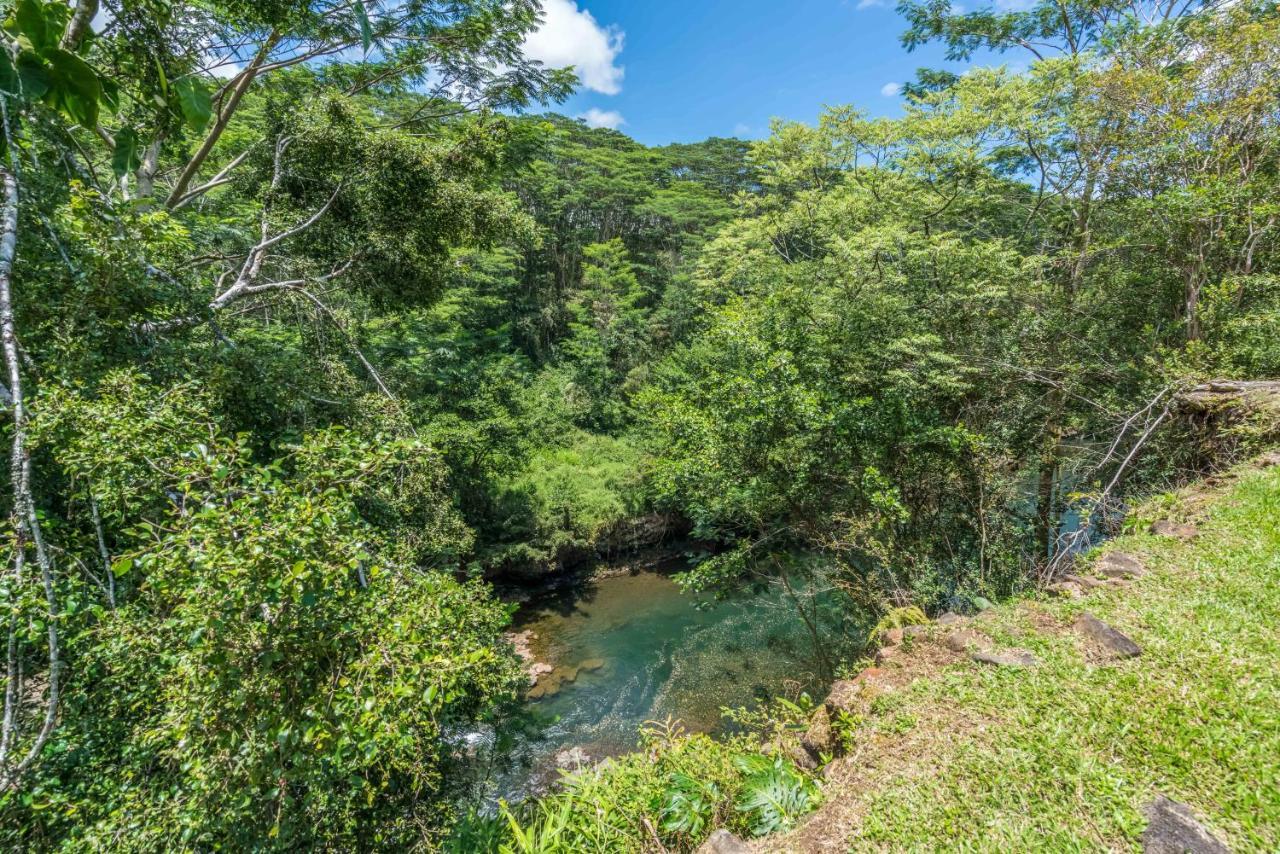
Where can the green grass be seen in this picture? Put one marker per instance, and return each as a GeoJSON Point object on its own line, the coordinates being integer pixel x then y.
{"type": "Point", "coordinates": [1064, 756]}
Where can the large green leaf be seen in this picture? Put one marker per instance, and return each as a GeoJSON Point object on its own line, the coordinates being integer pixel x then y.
{"type": "Point", "coordinates": [33, 75]}
{"type": "Point", "coordinates": [195, 102]}
{"type": "Point", "coordinates": [127, 156]}
{"type": "Point", "coordinates": [30, 17]}
{"type": "Point", "coordinates": [9, 82]}
{"type": "Point", "coordinates": [74, 87]}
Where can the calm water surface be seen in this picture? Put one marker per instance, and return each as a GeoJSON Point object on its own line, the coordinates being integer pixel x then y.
{"type": "Point", "coordinates": [634, 648]}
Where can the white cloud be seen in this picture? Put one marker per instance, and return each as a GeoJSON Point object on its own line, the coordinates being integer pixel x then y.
{"type": "Point", "coordinates": [891, 90]}
{"type": "Point", "coordinates": [597, 118]}
{"type": "Point", "coordinates": [570, 36]}
{"type": "Point", "coordinates": [872, 4]}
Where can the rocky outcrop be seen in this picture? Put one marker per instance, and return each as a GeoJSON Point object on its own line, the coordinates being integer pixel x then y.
{"type": "Point", "coordinates": [1120, 565]}
{"type": "Point", "coordinates": [1172, 828]}
{"type": "Point", "coordinates": [1007, 658]}
{"type": "Point", "coordinates": [1176, 530]}
{"type": "Point", "coordinates": [723, 842]}
{"type": "Point", "coordinates": [1112, 642]}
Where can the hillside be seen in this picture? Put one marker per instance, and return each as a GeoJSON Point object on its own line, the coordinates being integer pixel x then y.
{"type": "Point", "coordinates": [1070, 752]}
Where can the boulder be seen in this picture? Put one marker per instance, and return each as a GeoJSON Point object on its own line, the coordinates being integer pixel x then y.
{"type": "Point", "coordinates": [892, 637]}
{"type": "Point", "coordinates": [820, 737]}
{"type": "Point", "coordinates": [949, 619]}
{"type": "Point", "coordinates": [1115, 643]}
{"type": "Point", "coordinates": [1172, 828]}
{"type": "Point", "coordinates": [962, 640]}
{"type": "Point", "coordinates": [591, 665]}
{"type": "Point", "coordinates": [723, 842]}
{"type": "Point", "coordinates": [1066, 589]}
{"type": "Point", "coordinates": [914, 631]}
{"type": "Point", "coordinates": [1008, 658]}
{"type": "Point", "coordinates": [802, 758]}
{"type": "Point", "coordinates": [1084, 582]}
{"type": "Point", "coordinates": [844, 696]}
{"type": "Point", "coordinates": [1179, 531]}
{"type": "Point", "coordinates": [1120, 565]}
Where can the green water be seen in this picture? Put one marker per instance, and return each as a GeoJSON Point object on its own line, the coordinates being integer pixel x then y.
{"type": "Point", "coordinates": [635, 648]}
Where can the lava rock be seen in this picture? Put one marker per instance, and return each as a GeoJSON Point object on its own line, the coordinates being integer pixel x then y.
{"type": "Point", "coordinates": [1008, 658]}
{"type": "Point", "coordinates": [1113, 641]}
{"type": "Point", "coordinates": [1178, 531]}
{"type": "Point", "coordinates": [962, 641]}
{"type": "Point", "coordinates": [1066, 589]}
{"type": "Point", "coordinates": [820, 737]}
{"type": "Point", "coordinates": [723, 842]}
{"type": "Point", "coordinates": [1172, 828]}
{"type": "Point", "coordinates": [1121, 565]}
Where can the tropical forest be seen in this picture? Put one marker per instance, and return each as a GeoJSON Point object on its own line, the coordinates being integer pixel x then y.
{"type": "Point", "coordinates": [400, 458]}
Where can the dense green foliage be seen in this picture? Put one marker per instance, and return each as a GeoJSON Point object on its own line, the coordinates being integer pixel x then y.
{"type": "Point", "coordinates": [296, 356]}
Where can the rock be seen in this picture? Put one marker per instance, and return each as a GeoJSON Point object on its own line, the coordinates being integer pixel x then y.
{"type": "Point", "coordinates": [1166, 528]}
{"type": "Point", "coordinates": [1172, 828]}
{"type": "Point", "coordinates": [949, 619]}
{"type": "Point", "coordinates": [1120, 565]}
{"type": "Point", "coordinates": [723, 842]}
{"type": "Point", "coordinates": [591, 665]}
{"type": "Point", "coordinates": [1066, 589]}
{"type": "Point", "coordinates": [851, 695]}
{"type": "Point", "coordinates": [844, 696]}
{"type": "Point", "coordinates": [802, 758]}
{"type": "Point", "coordinates": [914, 631]}
{"type": "Point", "coordinates": [887, 654]}
{"type": "Point", "coordinates": [1115, 642]}
{"type": "Point", "coordinates": [893, 637]}
{"type": "Point", "coordinates": [820, 737]}
{"type": "Point", "coordinates": [962, 640]}
{"type": "Point", "coordinates": [1084, 583]}
{"type": "Point", "coordinates": [572, 759]}
{"type": "Point", "coordinates": [1008, 658]}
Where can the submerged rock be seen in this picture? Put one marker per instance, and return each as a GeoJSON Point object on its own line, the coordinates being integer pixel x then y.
{"type": "Point", "coordinates": [1172, 828]}
{"type": "Point", "coordinates": [1114, 642]}
{"type": "Point", "coordinates": [572, 759]}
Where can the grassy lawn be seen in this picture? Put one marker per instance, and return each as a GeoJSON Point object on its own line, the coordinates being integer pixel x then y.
{"type": "Point", "coordinates": [1064, 756]}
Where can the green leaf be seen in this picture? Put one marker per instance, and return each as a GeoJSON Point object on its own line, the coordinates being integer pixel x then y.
{"type": "Point", "coordinates": [366, 29]}
{"type": "Point", "coordinates": [9, 82]}
{"type": "Point", "coordinates": [29, 15]}
{"type": "Point", "coordinates": [74, 87]}
{"type": "Point", "coordinates": [33, 75]}
{"type": "Point", "coordinates": [195, 101]}
{"type": "Point", "coordinates": [127, 156]}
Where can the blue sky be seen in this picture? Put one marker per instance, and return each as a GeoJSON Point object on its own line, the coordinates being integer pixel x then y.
{"type": "Point", "coordinates": [683, 70]}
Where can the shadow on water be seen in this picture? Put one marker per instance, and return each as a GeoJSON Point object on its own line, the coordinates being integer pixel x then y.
{"type": "Point", "coordinates": [631, 648]}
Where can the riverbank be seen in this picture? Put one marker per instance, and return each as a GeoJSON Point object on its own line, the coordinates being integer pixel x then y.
{"type": "Point", "coordinates": [1132, 706]}
{"type": "Point", "coordinates": [1034, 727]}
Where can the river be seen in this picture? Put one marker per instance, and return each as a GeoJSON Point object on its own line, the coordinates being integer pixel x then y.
{"type": "Point", "coordinates": [631, 648]}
